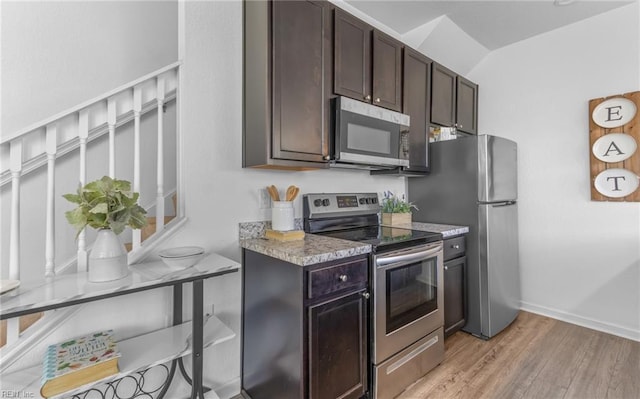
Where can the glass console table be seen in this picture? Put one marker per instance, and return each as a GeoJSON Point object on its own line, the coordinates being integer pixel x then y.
{"type": "Point", "coordinates": [140, 353]}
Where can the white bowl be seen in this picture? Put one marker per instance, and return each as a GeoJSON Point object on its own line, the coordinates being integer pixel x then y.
{"type": "Point", "coordinates": [180, 252]}
{"type": "Point", "coordinates": [182, 262]}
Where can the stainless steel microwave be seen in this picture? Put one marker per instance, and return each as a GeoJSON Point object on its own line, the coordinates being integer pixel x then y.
{"type": "Point", "coordinates": [369, 136]}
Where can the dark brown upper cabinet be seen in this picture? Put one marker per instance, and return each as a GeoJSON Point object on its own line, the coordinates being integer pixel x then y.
{"type": "Point", "coordinates": [443, 95]}
{"type": "Point", "coordinates": [387, 72]}
{"type": "Point", "coordinates": [454, 100]}
{"type": "Point", "coordinates": [467, 106]}
{"type": "Point", "coordinates": [352, 57]}
{"type": "Point", "coordinates": [367, 63]}
{"type": "Point", "coordinates": [417, 104]}
{"type": "Point", "coordinates": [287, 58]}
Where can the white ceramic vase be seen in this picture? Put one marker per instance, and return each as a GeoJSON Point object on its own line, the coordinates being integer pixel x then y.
{"type": "Point", "coordinates": [108, 258]}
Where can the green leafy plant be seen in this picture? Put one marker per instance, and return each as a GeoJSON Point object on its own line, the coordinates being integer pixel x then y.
{"type": "Point", "coordinates": [106, 204]}
{"type": "Point", "coordinates": [393, 204]}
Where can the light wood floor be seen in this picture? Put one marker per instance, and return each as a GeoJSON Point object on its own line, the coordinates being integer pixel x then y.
{"type": "Point", "coordinates": [536, 357]}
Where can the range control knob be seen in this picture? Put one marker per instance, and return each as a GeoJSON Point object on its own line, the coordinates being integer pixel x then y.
{"type": "Point", "coordinates": [367, 200]}
{"type": "Point", "coordinates": [317, 202]}
{"type": "Point", "coordinates": [326, 202]}
{"type": "Point", "coordinates": [361, 201]}
{"type": "Point", "coordinates": [374, 200]}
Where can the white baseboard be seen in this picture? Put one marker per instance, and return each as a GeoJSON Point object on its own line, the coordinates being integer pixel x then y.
{"type": "Point", "coordinates": [608, 328]}
{"type": "Point", "coordinates": [230, 389]}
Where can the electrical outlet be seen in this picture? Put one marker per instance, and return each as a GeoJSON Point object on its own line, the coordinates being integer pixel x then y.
{"type": "Point", "coordinates": [264, 200]}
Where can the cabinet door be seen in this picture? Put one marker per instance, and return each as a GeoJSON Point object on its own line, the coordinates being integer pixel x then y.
{"type": "Point", "coordinates": [300, 116]}
{"type": "Point", "coordinates": [443, 96]}
{"type": "Point", "coordinates": [455, 309]}
{"type": "Point", "coordinates": [387, 72]}
{"type": "Point", "coordinates": [416, 104]}
{"type": "Point", "coordinates": [352, 57]}
{"type": "Point", "coordinates": [467, 106]}
{"type": "Point", "coordinates": [338, 348]}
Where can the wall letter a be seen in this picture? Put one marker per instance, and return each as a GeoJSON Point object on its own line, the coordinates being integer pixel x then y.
{"type": "Point", "coordinates": [612, 147]}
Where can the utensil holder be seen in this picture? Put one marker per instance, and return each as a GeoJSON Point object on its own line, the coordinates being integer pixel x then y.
{"type": "Point", "coordinates": [282, 216]}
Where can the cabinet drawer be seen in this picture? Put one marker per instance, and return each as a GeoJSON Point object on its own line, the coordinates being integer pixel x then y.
{"type": "Point", "coordinates": [454, 247]}
{"type": "Point", "coordinates": [337, 278]}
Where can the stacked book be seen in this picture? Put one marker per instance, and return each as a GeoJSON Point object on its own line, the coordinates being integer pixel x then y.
{"type": "Point", "coordinates": [79, 361]}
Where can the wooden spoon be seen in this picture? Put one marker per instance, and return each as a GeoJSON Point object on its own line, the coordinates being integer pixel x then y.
{"type": "Point", "coordinates": [273, 193]}
{"type": "Point", "coordinates": [289, 193]}
{"type": "Point", "coordinates": [292, 192]}
{"type": "Point", "coordinates": [296, 190]}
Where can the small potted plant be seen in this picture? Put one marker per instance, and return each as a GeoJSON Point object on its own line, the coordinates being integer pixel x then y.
{"type": "Point", "coordinates": [396, 211]}
{"type": "Point", "coordinates": [107, 205]}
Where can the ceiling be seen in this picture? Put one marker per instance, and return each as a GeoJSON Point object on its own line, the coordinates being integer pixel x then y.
{"type": "Point", "coordinates": [493, 24]}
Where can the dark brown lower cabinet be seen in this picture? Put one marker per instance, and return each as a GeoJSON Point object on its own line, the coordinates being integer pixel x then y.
{"type": "Point", "coordinates": [455, 285]}
{"type": "Point", "coordinates": [337, 332]}
{"type": "Point", "coordinates": [454, 295]}
{"type": "Point", "coordinates": [304, 329]}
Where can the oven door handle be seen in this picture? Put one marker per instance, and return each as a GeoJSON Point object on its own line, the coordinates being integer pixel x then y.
{"type": "Point", "coordinates": [407, 257]}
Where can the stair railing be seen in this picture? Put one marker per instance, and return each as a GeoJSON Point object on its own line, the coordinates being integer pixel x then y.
{"type": "Point", "coordinates": [41, 144]}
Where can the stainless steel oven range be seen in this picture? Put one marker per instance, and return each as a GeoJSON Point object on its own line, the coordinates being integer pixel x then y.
{"type": "Point", "coordinates": [406, 287]}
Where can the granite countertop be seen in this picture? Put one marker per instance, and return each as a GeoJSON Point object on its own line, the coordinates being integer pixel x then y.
{"type": "Point", "coordinates": [316, 248]}
{"type": "Point", "coordinates": [445, 229]}
{"type": "Point", "coordinates": [313, 249]}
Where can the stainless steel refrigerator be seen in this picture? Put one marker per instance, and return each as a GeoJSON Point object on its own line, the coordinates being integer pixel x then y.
{"type": "Point", "coordinates": [473, 182]}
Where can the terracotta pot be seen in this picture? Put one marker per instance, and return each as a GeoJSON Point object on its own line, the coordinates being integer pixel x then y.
{"type": "Point", "coordinates": [108, 258]}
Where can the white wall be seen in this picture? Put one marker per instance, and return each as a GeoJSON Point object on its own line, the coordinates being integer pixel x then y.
{"type": "Point", "coordinates": [580, 259]}
{"type": "Point", "coordinates": [56, 55]}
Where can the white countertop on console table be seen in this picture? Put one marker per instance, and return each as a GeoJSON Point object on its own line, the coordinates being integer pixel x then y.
{"type": "Point", "coordinates": [69, 289]}
{"type": "Point", "coordinates": [446, 230]}
{"type": "Point", "coordinates": [313, 249]}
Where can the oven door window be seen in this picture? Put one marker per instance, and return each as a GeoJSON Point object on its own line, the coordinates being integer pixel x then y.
{"type": "Point", "coordinates": [412, 292]}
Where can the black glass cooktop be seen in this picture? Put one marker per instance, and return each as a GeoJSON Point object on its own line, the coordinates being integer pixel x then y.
{"type": "Point", "coordinates": [385, 237]}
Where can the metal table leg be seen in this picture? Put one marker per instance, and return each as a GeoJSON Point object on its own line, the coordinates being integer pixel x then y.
{"type": "Point", "coordinates": [197, 325]}
{"type": "Point", "coordinates": [197, 388]}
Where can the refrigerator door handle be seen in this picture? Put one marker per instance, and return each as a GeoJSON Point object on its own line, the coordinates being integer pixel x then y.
{"type": "Point", "coordinates": [508, 203]}
{"type": "Point", "coordinates": [496, 204]}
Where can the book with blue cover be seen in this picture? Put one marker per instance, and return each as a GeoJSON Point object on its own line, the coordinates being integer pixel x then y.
{"type": "Point", "coordinates": [79, 361]}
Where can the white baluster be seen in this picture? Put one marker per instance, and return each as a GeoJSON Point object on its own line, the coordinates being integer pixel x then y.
{"type": "Point", "coordinates": [111, 121]}
{"type": "Point", "coordinates": [13, 330]}
{"type": "Point", "coordinates": [160, 184]}
{"type": "Point", "coordinates": [137, 109]}
{"type": "Point", "coordinates": [15, 164]}
{"type": "Point", "coordinates": [51, 146]}
{"type": "Point", "coordinates": [83, 134]}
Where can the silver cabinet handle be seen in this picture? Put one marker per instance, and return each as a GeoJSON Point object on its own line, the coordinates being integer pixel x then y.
{"type": "Point", "coordinates": [456, 246]}
{"type": "Point", "coordinates": [378, 99]}
{"type": "Point", "coordinates": [327, 157]}
{"type": "Point", "coordinates": [446, 268]}
{"type": "Point", "coordinates": [367, 97]}
{"type": "Point", "coordinates": [343, 278]}
{"type": "Point", "coordinates": [366, 295]}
